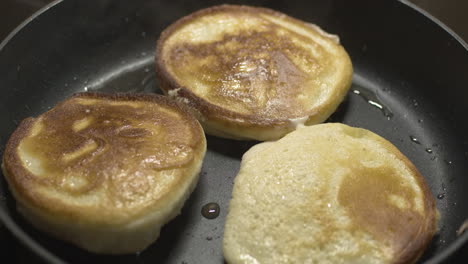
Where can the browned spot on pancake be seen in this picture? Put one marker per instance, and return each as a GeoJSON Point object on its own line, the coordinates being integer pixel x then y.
{"type": "Point", "coordinates": [169, 155]}
{"type": "Point", "coordinates": [130, 132]}
{"type": "Point", "coordinates": [251, 69]}
{"type": "Point", "coordinates": [365, 193]}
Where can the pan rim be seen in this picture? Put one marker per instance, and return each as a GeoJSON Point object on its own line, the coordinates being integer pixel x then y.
{"type": "Point", "coordinates": [28, 20]}
{"type": "Point", "coordinates": [436, 21]}
{"type": "Point", "coordinates": [461, 240]}
{"type": "Point", "coordinates": [6, 219]}
{"type": "Point", "coordinates": [49, 256]}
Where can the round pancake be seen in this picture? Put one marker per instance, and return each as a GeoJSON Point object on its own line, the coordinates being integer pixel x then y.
{"type": "Point", "coordinates": [252, 73]}
{"type": "Point", "coordinates": [328, 193]}
{"type": "Point", "coordinates": [105, 172]}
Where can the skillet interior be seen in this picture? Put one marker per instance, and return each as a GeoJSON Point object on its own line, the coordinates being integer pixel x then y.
{"type": "Point", "coordinates": [415, 68]}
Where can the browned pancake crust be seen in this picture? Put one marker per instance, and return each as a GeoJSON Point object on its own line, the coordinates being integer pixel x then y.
{"type": "Point", "coordinates": [260, 117]}
{"type": "Point", "coordinates": [364, 200]}
{"type": "Point", "coordinates": [117, 144]}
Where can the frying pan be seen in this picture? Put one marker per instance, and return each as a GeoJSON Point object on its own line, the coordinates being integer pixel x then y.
{"type": "Point", "coordinates": [409, 86]}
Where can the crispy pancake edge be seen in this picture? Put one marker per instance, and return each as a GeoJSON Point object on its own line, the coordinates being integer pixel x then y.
{"type": "Point", "coordinates": [429, 227]}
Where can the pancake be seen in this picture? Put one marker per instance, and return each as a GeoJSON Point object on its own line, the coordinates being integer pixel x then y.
{"type": "Point", "coordinates": [328, 193]}
{"type": "Point", "coordinates": [105, 172]}
{"type": "Point", "coordinates": [252, 73]}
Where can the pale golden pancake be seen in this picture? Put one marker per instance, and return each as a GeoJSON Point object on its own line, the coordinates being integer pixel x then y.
{"type": "Point", "coordinates": [252, 73]}
{"type": "Point", "coordinates": [328, 193]}
{"type": "Point", "coordinates": [105, 172]}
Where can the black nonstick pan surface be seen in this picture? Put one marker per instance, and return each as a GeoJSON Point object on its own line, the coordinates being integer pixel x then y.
{"type": "Point", "coordinates": [410, 86]}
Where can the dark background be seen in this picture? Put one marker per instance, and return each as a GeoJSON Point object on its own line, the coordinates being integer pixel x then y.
{"type": "Point", "coordinates": [452, 13]}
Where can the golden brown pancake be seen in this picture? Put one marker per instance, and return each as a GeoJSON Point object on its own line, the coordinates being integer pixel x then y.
{"type": "Point", "coordinates": [328, 193]}
{"type": "Point", "coordinates": [252, 73]}
{"type": "Point", "coordinates": [105, 172]}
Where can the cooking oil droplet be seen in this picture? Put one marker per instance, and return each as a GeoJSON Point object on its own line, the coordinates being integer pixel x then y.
{"type": "Point", "coordinates": [429, 150]}
{"type": "Point", "coordinates": [449, 162]}
{"type": "Point", "coordinates": [415, 140]}
{"type": "Point", "coordinates": [441, 196]}
{"type": "Point", "coordinates": [210, 210]}
{"type": "Point", "coordinates": [85, 88]}
{"type": "Point", "coordinates": [415, 103]}
{"type": "Point", "coordinates": [372, 99]}
{"type": "Point", "coordinates": [420, 120]}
